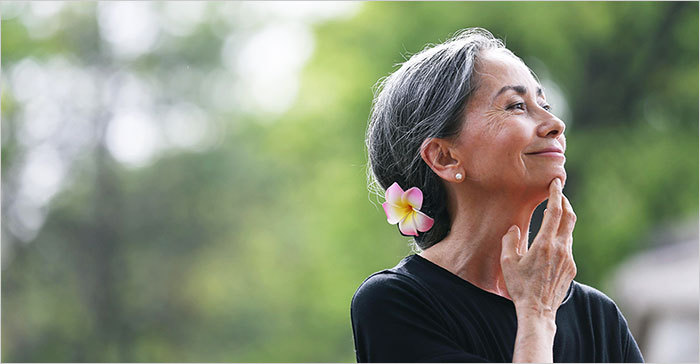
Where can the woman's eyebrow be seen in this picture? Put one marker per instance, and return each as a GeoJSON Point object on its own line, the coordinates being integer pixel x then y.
{"type": "Point", "coordinates": [517, 88]}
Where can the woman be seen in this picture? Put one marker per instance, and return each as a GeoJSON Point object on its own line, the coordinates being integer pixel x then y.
{"type": "Point", "coordinates": [466, 129]}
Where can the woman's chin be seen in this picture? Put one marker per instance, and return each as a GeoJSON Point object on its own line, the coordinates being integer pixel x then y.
{"type": "Point", "coordinates": [542, 178]}
{"type": "Point", "coordinates": [562, 177]}
{"type": "Point", "coordinates": [542, 186]}
{"type": "Point", "coordinates": [548, 177]}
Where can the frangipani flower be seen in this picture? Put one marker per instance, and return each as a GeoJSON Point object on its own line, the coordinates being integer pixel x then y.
{"type": "Point", "coordinates": [404, 208]}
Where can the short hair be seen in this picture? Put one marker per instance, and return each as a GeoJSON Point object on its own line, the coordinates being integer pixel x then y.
{"type": "Point", "coordinates": [425, 98]}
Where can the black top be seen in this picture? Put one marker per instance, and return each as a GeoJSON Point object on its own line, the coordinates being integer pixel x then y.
{"type": "Point", "coordinates": [421, 312]}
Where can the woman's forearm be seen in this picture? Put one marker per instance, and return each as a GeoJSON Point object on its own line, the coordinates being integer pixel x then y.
{"type": "Point", "coordinates": [535, 337]}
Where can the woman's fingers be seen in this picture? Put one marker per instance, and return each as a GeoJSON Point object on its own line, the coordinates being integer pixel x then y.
{"type": "Point", "coordinates": [552, 216]}
{"type": "Point", "coordinates": [568, 221]}
{"type": "Point", "coordinates": [521, 246]}
{"type": "Point", "coordinates": [509, 245]}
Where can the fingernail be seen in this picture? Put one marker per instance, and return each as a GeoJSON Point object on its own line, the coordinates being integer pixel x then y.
{"type": "Point", "coordinates": [512, 228]}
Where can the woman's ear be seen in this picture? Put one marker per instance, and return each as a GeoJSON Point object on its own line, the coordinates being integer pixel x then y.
{"type": "Point", "coordinates": [437, 153]}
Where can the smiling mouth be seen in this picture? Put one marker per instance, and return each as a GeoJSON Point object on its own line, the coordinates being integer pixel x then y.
{"type": "Point", "coordinates": [548, 154]}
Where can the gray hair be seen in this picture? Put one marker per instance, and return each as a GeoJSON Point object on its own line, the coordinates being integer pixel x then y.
{"type": "Point", "coordinates": [424, 98]}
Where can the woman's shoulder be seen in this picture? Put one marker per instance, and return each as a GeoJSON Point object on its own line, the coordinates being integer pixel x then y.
{"type": "Point", "coordinates": [592, 295]}
{"type": "Point", "coordinates": [390, 282]}
{"type": "Point", "coordinates": [395, 297]}
{"type": "Point", "coordinates": [400, 284]}
{"type": "Point", "coordinates": [594, 302]}
{"type": "Point", "coordinates": [605, 320]}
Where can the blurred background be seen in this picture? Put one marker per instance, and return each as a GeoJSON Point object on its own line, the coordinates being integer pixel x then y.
{"type": "Point", "coordinates": [185, 181]}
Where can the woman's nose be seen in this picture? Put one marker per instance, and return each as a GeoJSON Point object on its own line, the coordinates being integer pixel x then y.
{"type": "Point", "coordinates": [550, 126]}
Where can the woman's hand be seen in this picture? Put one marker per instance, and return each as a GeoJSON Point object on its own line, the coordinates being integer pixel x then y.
{"type": "Point", "coordinates": [538, 278]}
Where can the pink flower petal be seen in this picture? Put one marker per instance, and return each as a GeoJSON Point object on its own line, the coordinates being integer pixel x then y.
{"type": "Point", "coordinates": [394, 213]}
{"type": "Point", "coordinates": [393, 194]}
{"type": "Point", "coordinates": [423, 221]}
{"type": "Point", "coordinates": [407, 226]}
{"type": "Point", "coordinates": [414, 197]}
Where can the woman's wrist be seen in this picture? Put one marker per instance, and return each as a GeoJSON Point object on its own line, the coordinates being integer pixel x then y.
{"type": "Point", "coordinates": [537, 312]}
{"type": "Point", "coordinates": [534, 341]}
{"type": "Point", "coordinates": [542, 326]}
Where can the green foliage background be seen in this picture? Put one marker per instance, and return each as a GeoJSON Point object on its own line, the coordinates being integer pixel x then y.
{"type": "Point", "coordinates": [251, 250]}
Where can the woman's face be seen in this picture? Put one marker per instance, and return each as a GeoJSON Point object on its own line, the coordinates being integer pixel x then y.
{"type": "Point", "coordinates": [510, 140]}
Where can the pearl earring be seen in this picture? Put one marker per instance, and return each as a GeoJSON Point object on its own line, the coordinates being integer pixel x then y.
{"type": "Point", "coordinates": [458, 176]}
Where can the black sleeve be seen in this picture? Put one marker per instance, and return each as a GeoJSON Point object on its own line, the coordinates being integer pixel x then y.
{"type": "Point", "coordinates": [630, 350]}
{"type": "Point", "coordinates": [393, 321]}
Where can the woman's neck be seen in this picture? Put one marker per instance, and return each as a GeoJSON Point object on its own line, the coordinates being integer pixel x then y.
{"type": "Point", "coordinates": [472, 249]}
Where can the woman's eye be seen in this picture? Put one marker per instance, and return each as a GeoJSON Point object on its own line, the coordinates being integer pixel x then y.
{"type": "Point", "coordinates": [519, 105]}
{"type": "Point", "coordinates": [547, 107]}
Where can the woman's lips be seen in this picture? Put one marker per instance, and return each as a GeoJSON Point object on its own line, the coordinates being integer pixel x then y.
{"type": "Point", "coordinates": [548, 154]}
